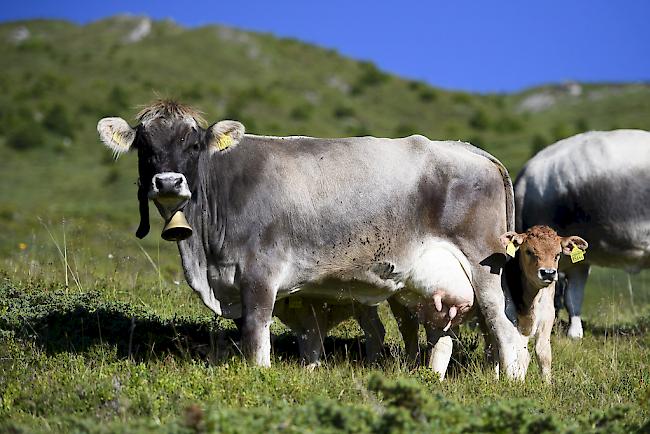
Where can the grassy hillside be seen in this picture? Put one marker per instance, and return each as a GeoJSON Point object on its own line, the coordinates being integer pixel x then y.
{"type": "Point", "coordinates": [76, 283]}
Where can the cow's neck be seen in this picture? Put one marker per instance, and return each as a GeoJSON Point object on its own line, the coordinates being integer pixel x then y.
{"type": "Point", "coordinates": [513, 273]}
{"type": "Point", "coordinates": [205, 212]}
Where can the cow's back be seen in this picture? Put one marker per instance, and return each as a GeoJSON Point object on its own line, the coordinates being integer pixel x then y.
{"type": "Point", "coordinates": [595, 185]}
{"type": "Point", "coordinates": [333, 206]}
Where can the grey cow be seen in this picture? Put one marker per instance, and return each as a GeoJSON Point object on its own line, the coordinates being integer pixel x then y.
{"type": "Point", "coordinates": [360, 218]}
{"type": "Point", "coordinates": [595, 185]}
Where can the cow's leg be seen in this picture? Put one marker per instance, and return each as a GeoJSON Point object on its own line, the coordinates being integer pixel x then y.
{"type": "Point", "coordinates": [491, 353]}
{"type": "Point", "coordinates": [373, 329]}
{"type": "Point", "coordinates": [510, 344]}
{"type": "Point", "coordinates": [258, 298]}
{"type": "Point", "coordinates": [314, 329]}
{"type": "Point", "coordinates": [305, 322]}
{"type": "Point", "coordinates": [573, 296]}
{"type": "Point", "coordinates": [440, 346]}
{"type": "Point", "coordinates": [409, 327]}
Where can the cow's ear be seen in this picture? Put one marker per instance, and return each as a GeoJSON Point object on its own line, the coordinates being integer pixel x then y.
{"type": "Point", "coordinates": [225, 135]}
{"type": "Point", "coordinates": [116, 134]}
{"type": "Point", "coordinates": [568, 243]}
{"type": "Point", "coordinates": [512, 237]}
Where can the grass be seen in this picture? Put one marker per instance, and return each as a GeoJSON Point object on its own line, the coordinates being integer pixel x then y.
{"type": "Point", "coordinates": [107, 360]}
{"type": "Point", "coordinates": [99, 331]}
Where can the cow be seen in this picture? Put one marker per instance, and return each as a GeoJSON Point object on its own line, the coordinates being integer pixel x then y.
{"type": "Point", "coordinates": [594, 185]}
{"type": "Point", "coordinates": [360, 218]}
{"type": "Point", "coordinates": [531, 277]}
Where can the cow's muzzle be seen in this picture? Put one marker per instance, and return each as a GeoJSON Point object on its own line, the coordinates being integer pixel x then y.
{"type": "Point", "coordinates": [170, 192]}
{"type": "Point", "coordinates": [169, 189]}
{"type": "Point", "coordinates": [177, 228]}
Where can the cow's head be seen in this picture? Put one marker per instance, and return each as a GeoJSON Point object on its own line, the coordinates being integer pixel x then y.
{"type": "Point", "coordinates": [170, 142]}
{"type": "Point", "coordinates": [539, 250]}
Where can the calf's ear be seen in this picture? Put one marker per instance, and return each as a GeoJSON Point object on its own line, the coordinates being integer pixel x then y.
{"type": "Point", "coordinates": [512, 237]}
{"type": "Point", "coordinates": [225, 135]}
{"type": "Point", "coordinates": [569, 242]}
{"type": "Point", "coordinates": [116, 134]}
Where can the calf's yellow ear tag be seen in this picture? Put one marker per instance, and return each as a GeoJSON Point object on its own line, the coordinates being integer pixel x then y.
{"type": "Point", "coordinates": [511, 249]}
{"type": "Point", "coordinates": [577, 254]}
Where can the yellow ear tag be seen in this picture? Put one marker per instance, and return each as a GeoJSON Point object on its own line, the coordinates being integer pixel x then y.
{"type": "Point", "coordinates": [577, 254]}
{"type": "Point", "coordinates": [511, 249]}
{"type": "Point", "coordinates": [295, 302]}
{"type": "Point", "coordinates": [117, 138]}
{"type": "Point", "coordinates": [224, 142]}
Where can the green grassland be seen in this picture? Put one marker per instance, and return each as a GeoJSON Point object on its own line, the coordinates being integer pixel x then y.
{"type": "Point", "coordinates": [100, 333]}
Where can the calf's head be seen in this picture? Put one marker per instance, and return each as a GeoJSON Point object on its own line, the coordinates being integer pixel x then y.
{"type": "Point", "coordinates": [538, 252]}
{"type": "Point", "coordinates": [170, 142]}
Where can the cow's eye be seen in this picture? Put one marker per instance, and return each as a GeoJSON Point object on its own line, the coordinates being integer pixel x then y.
{"type": "Point", "coordinates": [529, 253]}
{"type": "Point", "coordinates": [195, 147]}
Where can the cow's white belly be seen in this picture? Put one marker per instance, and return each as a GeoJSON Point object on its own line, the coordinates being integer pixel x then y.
{"type": "Point", "coordinates": [427, 268]}
{"type": "Point", "coordinates": [438, 282]}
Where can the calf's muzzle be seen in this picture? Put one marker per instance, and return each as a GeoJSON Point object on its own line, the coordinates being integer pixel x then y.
{"type": "Point", "coordinates": [547, 274]}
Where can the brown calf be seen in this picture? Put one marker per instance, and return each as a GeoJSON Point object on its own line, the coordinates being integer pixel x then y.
{"type": "Point", "coordinates": [531, 280]}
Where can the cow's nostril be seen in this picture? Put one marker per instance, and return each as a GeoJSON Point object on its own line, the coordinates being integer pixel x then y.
{"type": "Point", "coordinates": [178, 182]}
{"type": "Point", "coordinates": [159, 184]}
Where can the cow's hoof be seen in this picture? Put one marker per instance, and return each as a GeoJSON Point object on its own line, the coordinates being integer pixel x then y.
{"type": "Point", "coordinates": [575, 328]}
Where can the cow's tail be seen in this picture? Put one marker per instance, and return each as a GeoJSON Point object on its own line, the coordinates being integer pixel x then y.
{"type": "Point", "coordinates": [507, 184]}
{"type": "Point", "coordinates": [510, 194]}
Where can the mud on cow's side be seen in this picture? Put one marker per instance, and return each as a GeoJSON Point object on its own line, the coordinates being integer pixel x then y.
{"type": "Point", "coordinates": [355, 218]}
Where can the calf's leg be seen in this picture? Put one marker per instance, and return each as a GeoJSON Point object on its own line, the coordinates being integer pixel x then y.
{"type": "Point", "coordinates": [543, 352]}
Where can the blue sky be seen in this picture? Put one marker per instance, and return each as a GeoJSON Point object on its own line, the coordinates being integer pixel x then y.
{"type": "Point", "coordinates": [470, 45]}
